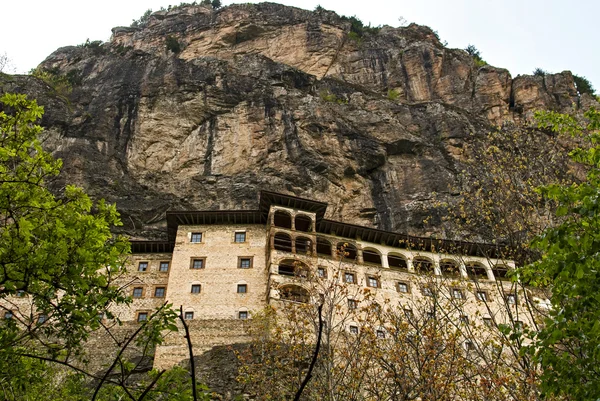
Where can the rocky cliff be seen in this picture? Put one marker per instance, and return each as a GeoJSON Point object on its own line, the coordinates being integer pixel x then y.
{"type": "Point", "coordinates": [200, 109]}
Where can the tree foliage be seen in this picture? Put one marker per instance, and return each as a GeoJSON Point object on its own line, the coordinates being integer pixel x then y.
{"type": "Point", "coordinates": [583, 85]}
{"type": "Point", "coordinates": [568, 345]}
{"type": "Point", "coordinates": [58, 257]}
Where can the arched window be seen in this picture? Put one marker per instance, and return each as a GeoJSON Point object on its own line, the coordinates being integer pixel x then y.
{"type": "Point", "coordinates": [282, 219]}
{"type": "Point", "coordinates": [500, 272]}
{"type": "Point", "coordinates": [282, 242]}
{"type": "Point", "coordinates": [423, 265]}
{"type": "Point", "coordinates": [294, 293]}
{"type": "Point", "coordinates": [476, 271]}
{"type": "Point", "coordinates": [303, 245]}
{"type": "Point", "coordinates": [346, 251]}
{"type": "Point", "coordinates": [372, 256]}
{"type": "Point", "coordinates": [449, 268]}
{"type": "Point", "coordinates": [303, 223]}
{"type": "Point", "coordinates": [397, 262]}
{"type": "Point", "coordinates": [291, 267]}
{"type": "Point", "coordinates": [323, 247]}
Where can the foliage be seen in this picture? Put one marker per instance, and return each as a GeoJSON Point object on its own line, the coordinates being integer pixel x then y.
{"type": "Point", "coordinates": [143, 20]}
{"type": "Point", "coordinates": [62, 84]}
{"type": "Point", "coordinates": [393, 94]}
{"type": "Point", "coordinates": [358, 29]}
{"type": "Point", "coordinates": [568, 343]}
{"type": "Point", "coordinates": [583, 85]}
{"type": "Point", "coordinates": [331, 97]}
{"type": "Point", "coordinates": [476, 54]}
{"type": "Point", "coordinates": [499, 202]}
{"type": "Point", "coordinates": [538, 72]}
{"type": "Point", "coordinates": [173, 44]}
{"type": "Point", "coordinates": [95, 46]}
{"type": "Point", "coordinates": [216, 4]}
{"type": "Point", "coordinates": [57, 252]}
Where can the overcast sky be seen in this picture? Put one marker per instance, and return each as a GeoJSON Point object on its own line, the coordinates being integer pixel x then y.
{"type": "Point", "coordinates": [519, 35]}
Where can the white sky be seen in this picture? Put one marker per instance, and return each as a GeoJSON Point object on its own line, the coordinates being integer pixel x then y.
{"type": "Point", "coordinates": [519, 35]}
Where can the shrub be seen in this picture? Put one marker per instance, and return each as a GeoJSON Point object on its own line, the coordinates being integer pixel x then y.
{"type": "Point", "coordinates": [331, 97]}
{"type": "Point", "coordinates": [358, 28]}
{"type": "Point", "coordinates": [393, 94]}
{"type": "Point", "coordinates": [583, 85]}
{"type": "Point", "coordinates": [143, 20]}
{"type": "Point", "coordinates": [476, 54]}
{"type": "Point", "coordinates": [173, 44]}
{"type": "Point", "coordinates": [538, 72]}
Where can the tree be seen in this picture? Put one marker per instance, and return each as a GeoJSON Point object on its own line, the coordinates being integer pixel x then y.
{"type": "Point", "coordinates": [58, 256]}
{"type": "Point", "coordinates": [583, 85]}
{"type": "Point", "coordinates": [568, 343]}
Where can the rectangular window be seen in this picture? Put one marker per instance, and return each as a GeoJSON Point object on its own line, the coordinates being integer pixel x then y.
{"type": "Point", "coordinates": [159, 292]}
{"type": "Point", "coordinates": [143, 266]}
{"type": "Point", "coordinates": [8, 314]}
{"type": "Point", "coordinates": [41, 319]}
{"type": "Point", "coordinates": [164, 267]}
{"type": "Point", "coordinates": [196, 238]}
{"type": "Point", "coordinates": [482, 296]}
{"type": "Point", "coordinates": [245, 263]}
{"type": "Point", "coordinates": [353, 329]}
{"type": "Point", "coordinates": [196, 288]}
{"type": "Point", "coordinates": [138, 292]}
{"type": "Point", "coordinates": [511, 299]}
{"type": "Point", "coordinates": [20, 293]}
{"type": "Point", "coordinates": [240, 236]}
{"type": "Point", "coordinates": [427, 291]}
{"type": "Point", "coordinates": [142, 316]}
{"type": "Point", "coordinates": [349, 278]}
{"type": "Point", "coordinates": [242, 288]}
{"type": "Point", "coordinates": [457, 293]}
{"type": "Point", "coordinates": [321, 272]}
{"type": "Point", "coordinates": [373, 282]}
{"type": "Point", "coordinates": [188, 315]}
{"type": "Point", "coordinates": [380, 334]}
{"type": "Point", "coordinates": [352, 304]}
{"type": "Point", "coordinates": [243, 315]}
{"type": "Point", "coordinates": [402, 287]}
{"type": "Point", "coordinates": [197, 263]}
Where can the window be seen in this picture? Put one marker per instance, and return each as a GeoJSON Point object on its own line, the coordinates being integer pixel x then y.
{"type": "Point", "coordinates": [245, 263]}
{"type": "Point", "coordinates": [242, 288]}
{"type": "Point", "coordinates": [100, 316]}
{"type": "Point", "coordinates": [488, 322]}
{"type": "Point", "coordinates": [402, 287]}
{"type": "Point", "coordinates": [142, 316]}
{"type": "Point", "coordinates": [243, 315]}
{"type": "Point", "coordinates": [159, 292]}
{"type": "Point", "coordinates": [41, 319]}
{"type": "Point", "coordinates": [197, 264]}
{"type": "Point", "coordinates": [427, 291]}
{"type": "Point", "coordinates": [349, 278]}
{"type": "Point", "coordinates": [457, 293]}
{"type": "Point", "coordinates": [196, 238]}
{"type": "Point", "coordinates": [240, 236]}
{"type": "Point", "coordinates": [8, 314]}
{"type": "Point", "coordinates": [464, 319]}
{"type": "Point", "coordinates": [511, 299]}
{"type": "Point", "coordinates": [373, 282]}
{"type": "Point", "coordinates": [196, 288]}
{"type": "Point", "coordinates": [322, 272]}
{"type": "Point", "coordinates": [353, 329]}
{"type": "Point", "coordinates": [352, 304]}
{"type": "Point", "coordinates": [143, 266]}
{"type": "Point", "coordinates": [20, 293]}
{"type": "Point", "coordinates": [188, 315]}
{"type": "Point", "coordinates": [164, 267]}
{"type": "Point", "coordinates": [380, 334]}
{"type": "Point", "coordinates": [138, 292]}
{"type": "Point", "coordinates": [482, 296]}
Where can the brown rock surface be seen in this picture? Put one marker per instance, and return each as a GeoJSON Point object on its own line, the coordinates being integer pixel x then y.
{"type": "Point", "coordinates": [273, 97]}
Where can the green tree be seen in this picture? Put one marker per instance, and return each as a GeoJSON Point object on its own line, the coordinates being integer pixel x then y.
{"type": "Point", "coordinates": [583, 85]}
{"type": "Point", "coordinates": [568, 345]}
{"type": "Point", "coordinates": [58, 256]}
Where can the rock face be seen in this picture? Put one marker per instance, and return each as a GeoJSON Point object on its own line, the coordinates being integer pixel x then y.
{"type": "Point", "coordinates": [273, 97]}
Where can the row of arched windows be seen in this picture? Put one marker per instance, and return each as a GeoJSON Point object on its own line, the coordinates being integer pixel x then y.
{"type": "Point", "coordinates": [284, 220]}
{"type": "Point", "coordinates": [349, 252]}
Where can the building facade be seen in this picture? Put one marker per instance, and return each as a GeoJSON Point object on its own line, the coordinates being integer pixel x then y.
{"type": "Point", "coordinates": [220, 266]}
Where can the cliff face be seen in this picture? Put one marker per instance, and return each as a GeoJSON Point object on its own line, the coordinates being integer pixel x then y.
{"type": "Point", "coordinates": [273, 97]}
